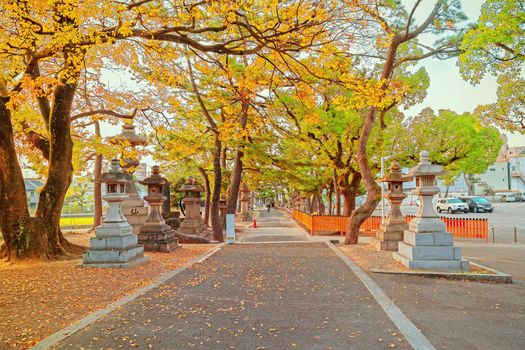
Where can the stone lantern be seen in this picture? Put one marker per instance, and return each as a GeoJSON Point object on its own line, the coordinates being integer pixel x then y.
{"type": "Point", "coordinates": [426, 244]}
{"type": "Point", "coordinates": [133, 208]}
{"type": "Point", "coordinates": [114, 244]}
{"type": "Point", "coordinates": [391, 231]}
{"type": "Point", "coordinates": [155, 234]}
{"type": "Point", "coordinates": [245, 203]}
{"type": "Point", "coordinates": [192, 223]}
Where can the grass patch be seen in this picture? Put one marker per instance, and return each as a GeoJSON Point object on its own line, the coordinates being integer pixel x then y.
{"type": "Point", "coordinates": [76, 221]}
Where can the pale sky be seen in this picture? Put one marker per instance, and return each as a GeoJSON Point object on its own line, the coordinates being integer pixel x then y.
{"type": "Point", "coordinates": [447, 89]}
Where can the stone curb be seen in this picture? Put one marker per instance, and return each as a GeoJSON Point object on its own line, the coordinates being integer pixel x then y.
{"type": "Point", "coordinates": [494, 277]}
{"type": "Point", "coordinates": [62, 334]}
{"type": "Point", "coordinates": [412, 334]}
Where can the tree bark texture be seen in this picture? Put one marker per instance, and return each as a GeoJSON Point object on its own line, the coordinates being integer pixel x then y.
{"type": "Point", "coordinates": [38, 236]}
{"type": "Point", "coordinates": [207, 195]}
{"type": "Point", "coordinates": [235, 184]}
{"type": "Point", "coordinates": [216, 222]}
{"type": "Point", "coordinates": [97, 187]}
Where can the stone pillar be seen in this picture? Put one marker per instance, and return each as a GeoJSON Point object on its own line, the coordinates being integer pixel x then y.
{"type": "Point", "coordinates": [246, 214]}
{"type": "Point", "coordinates": [391, 231]}
{"type": "Point", "coordinates": [155, 234]}
{"type": "Point", "coordinates": [426, 244]}
{"type": "Point", "coordinates": [133, 208]}
{"type": "Point", "coordinates": [114, 244]}
{"type": "Point", "coordinates": [192, 223]}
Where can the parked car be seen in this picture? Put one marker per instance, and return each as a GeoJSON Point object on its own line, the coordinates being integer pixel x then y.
{"type": "Point", "coordinates": [520, 197]}
{"type": "Point", "coordinates": [507, 197]}
{"type": "Point", "coordinates": [451, 205]}
{"type": "Point", "coordinates": [478, 204]}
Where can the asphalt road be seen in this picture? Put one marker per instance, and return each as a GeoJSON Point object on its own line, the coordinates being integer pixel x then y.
{"type": "Point", "coordinates": [504, 219]}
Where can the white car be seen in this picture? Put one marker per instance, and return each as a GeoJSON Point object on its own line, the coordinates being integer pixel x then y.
{"type": "Point", "coordinates": [451, 205]}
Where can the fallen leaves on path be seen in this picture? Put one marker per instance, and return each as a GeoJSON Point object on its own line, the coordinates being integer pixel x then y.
{"type": "Point", "coordinates": [368, 258]}
{"type": "Point", "coordinates": [39, 298]}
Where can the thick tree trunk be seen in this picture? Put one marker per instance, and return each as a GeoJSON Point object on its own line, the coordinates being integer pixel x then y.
{"type": "Point", "coordinates": [40, 236]}
{"type": "Point", "coordinates": [207, 196]}
{"type": "Point", "coordinates": [216, 222]}
{"type": "Point", "coordinates": [97, 187]}
{"type": "Point", "coordinates": [15, 222]}
{"type": "Point", "coordinates": [235, 184]}
{"type": "Point", "coordinates": [60, 172]}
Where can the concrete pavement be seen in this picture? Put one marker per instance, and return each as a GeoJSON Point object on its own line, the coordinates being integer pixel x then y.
{"type": "Point", "coordinates": [301, 295]}
{"type": "Point", "coordinates": [252, 296]}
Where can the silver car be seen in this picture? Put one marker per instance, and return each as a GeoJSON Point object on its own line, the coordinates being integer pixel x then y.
{"type": "Point", "coordinates": [451, 205]}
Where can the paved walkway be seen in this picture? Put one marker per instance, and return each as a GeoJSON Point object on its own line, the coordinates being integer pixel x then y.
{"type": "Point", "coordinates": [252, 296]}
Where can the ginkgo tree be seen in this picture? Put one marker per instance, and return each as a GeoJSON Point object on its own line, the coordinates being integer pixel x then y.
{"type": "Point", "coordinates": [44, 45]}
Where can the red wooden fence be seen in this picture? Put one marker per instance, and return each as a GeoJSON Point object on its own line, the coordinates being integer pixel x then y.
{"type": "Point", "coordinates": [459, 227]}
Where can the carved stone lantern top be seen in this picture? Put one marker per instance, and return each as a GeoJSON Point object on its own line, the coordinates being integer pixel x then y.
{"type": "Point", "coordinates": [395, 174]}
{"type": "Point", "coordinates": [425, 168]}
{"type": "Point", "coordinates": [115, 175]}
{"type": "Point", "coordinates": [155, 178]}
{"type": "Point", "coordinates": [128, 134]}
{"type": "Point", "coordinates": [116, 181]}
{"type": "Point", "coordinates": [191, 187]}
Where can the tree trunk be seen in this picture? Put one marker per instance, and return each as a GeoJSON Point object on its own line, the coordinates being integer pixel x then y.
{"type": "Point", "coordinates": [97, 187]}
{"type": "Point", "coordinates": [216, 222]}
{"type": "Point", "coordinates": [207, 194]}
{"type": "Point", "coordinates": [60, 172]}
{"type": "Point", "coordinates": [39, 236]}
{"type": "Point", "coordinates": [15, 221]}
{"type": "Point", "coordinates": [349, 189]}
{"type": "Point", "coordinates": [373, 190]}
{"type": "Point", "coordinates": [337, 195]}
{"type": "Point", "coordinates": [322, 208]}
{"type": "Point", "coordinates": [235, 183]}
{"type": "Point", "coordinates": [330, 198]}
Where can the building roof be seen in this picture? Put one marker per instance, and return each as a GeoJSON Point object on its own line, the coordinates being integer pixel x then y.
{"type": "Point", "coordinates": [32, 184]}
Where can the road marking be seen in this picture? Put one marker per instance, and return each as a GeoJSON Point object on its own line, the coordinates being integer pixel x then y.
{"type": "Point", "coordinates": [487, 259]}
{"type": "Point", "coordinates": [94, 316]}
{"type": "Point", "coordinates": [412, 334]}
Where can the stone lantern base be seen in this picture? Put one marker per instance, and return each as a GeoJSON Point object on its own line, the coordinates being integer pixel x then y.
{"type": "Point", "coordinates": [388, 236]}
{"type": "Point", "coordinates": [135, 212]}
{"type": "Point", "coordinates": [430, 251]}
{"type": "Point", "coordinates": [192, 226]}
{"type": "Point", "coordinates": [158, 238]}
{"type": "Point", "coordinates": [115, 245]}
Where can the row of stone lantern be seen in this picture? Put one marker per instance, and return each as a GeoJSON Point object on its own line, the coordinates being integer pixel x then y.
{"type": "Point", "coordinates": [115, 244]}
{"type": "Point", "coordinates": [424, 244]}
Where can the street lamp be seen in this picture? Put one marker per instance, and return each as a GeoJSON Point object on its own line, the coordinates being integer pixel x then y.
{"type": "Point", "coordinates": [383, 188]}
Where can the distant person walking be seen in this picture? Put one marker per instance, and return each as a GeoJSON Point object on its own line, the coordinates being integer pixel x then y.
{"type": "Point", "coordinates": [268, 206]}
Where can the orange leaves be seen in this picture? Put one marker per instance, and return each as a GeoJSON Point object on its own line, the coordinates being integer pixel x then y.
{"type": "Point", "coordinates": [51, 296]}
